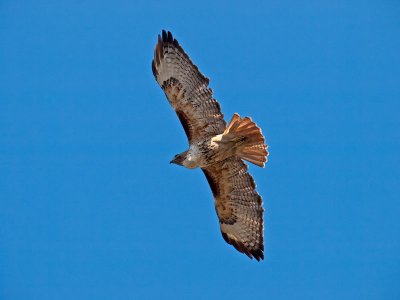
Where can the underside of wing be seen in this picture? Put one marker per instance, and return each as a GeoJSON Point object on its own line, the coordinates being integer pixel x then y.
{"type": "Point", "coordinates": [186, 89]}
{"type": "Point", "coordinates": [238, 205]}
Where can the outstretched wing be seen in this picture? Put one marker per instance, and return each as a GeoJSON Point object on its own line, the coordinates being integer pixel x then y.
{"type": "Point", "coordinates": [238, 205]}
{"type": "Point", "coordinates": [186, 89]}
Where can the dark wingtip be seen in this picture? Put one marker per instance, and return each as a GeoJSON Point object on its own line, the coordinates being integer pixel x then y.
{"type": "Point", "coordinates": [170, 38]}
{"type": "Point", "coordinates": [164, 35]}
{"type": "Point", "coordinates": [167, 37]}
{"type": "Point", "coordinates": [258, 253]}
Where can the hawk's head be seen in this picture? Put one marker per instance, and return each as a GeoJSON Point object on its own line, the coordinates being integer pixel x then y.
{"type": "Point", "coordinates": [184, 159]}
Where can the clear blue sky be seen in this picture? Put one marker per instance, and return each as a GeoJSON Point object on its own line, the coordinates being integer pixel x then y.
{"type": "Point", "coordinates": [90, 207]}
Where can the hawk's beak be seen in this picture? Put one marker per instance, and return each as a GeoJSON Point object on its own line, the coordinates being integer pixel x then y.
{"type": "Point", "coordinates": [175, 160]}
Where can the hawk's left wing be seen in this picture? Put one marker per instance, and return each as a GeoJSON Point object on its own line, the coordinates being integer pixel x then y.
{"type": "Point", "coordinates": [187, 90]}
{"type": "Point", "coordinates": [238, 205]}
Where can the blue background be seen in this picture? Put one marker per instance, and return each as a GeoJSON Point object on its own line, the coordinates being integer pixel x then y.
{"type": "Point", "coordinates": [90, 207]}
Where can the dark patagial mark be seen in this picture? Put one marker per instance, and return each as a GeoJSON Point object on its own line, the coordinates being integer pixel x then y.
{"type": "Point", "coordinates": [153, 68]}
{"type": "Point", "coordinates": [213, 184]}
{"type": "Point", "coordinates": [185, 123]}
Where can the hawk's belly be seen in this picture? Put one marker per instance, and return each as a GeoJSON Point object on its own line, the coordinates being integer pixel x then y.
{"type": "Point", "coordinates": [208, 153]}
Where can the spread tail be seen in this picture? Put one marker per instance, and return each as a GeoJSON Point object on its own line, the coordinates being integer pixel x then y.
{"type": "Point", "coordinates": [250, 142]}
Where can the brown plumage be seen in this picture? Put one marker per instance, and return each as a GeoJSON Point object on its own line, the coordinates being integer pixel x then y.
{"type": "Point", "coordinates": [248, 136]}
{"type": "Point", "coordinates": [214, 147]}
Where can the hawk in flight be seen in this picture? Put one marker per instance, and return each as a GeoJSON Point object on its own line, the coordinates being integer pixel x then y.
{"type": "Point", "coordinates": [218, 149]}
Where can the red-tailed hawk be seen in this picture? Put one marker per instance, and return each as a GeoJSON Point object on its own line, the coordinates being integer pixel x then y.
{"type": "Point", "coordinates": [217, 149]}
